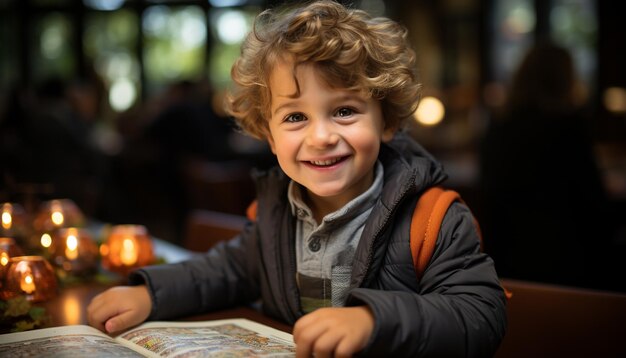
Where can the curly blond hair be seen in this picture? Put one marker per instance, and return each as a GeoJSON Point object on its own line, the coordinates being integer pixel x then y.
{"type": "Point", "coordinates": [350, 48]}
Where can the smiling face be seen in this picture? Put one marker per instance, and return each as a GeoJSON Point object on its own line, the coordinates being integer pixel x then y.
{"type": "Point", "coordinates": [326, 139]}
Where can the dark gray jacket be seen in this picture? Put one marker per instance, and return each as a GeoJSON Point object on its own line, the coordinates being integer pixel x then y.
{"type": "Point", "coordinates": [457, 309]}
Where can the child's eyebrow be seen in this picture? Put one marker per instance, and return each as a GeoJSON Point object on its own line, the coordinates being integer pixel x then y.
{"type": "Point", "coordinates": [288, 104]}
{"type": "Point", "coordinates": [350, 96]}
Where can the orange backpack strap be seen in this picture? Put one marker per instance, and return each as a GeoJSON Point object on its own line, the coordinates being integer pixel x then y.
{"type": "Point", "coordinates": [427, 217]}
{"type": "Point", "coordinates": [251, 210]}
{"type": "Point", "coordinates": [426, 222]}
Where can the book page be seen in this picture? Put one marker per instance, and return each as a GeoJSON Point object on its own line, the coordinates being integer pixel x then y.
{"type": "Point", "coordinates": [219, 338]}
{"type": "Point", "coordinates": [77, 341]}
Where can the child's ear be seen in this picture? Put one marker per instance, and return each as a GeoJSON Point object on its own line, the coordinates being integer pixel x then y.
{"type": "Point", "coordinates": [388, 134]}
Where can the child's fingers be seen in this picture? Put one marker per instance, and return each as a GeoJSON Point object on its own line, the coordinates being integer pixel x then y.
{"type": "Point", "coordinates": [119, 308]}
{"type": "Point", "coordinates": [102, 308]}
{"type": "Point", "coordinates": [306, 333]}
{"type": "Point", "coordinates": [326, 344]}
{"type": "Point", "coordinates": [346, 348]}
{"type": "Point", "coordinates": [121, 321]}
{"type": "Point", "coordinates": [333, 331]}
{"type": "Point", "coordinates": [303, 351]}
{"type": "Point", "coordinates": [94, 322]}
{"type": "Point", "coordinates": [97, 314]}
{"type": "Point", "coordinates": [306, 322]}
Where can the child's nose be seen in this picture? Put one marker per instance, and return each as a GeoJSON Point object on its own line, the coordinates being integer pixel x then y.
{"type": "Point", "coordinates": [322, 133]}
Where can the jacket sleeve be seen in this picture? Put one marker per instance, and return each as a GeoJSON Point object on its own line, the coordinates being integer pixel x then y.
{"type": "Point", "coordinates": [460, 309]}
{"type": "Point", "coordinates": [222, 277]}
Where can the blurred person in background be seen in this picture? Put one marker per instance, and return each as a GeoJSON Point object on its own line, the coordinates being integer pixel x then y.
{"type": "Point", "coordinates": [544, 203]}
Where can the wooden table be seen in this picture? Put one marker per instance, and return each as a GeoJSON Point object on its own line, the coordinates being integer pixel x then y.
{"type": "Point", "coordinates": [70, 307]}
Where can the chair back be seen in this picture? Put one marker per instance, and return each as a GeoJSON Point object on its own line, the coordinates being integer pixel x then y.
{"type": "Point", "coordinates": [205, 228]}
{"type": "Point", "coordinates": [556, 321]}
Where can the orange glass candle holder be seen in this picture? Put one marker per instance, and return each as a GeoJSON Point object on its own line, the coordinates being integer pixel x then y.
{"type": "Point", "coordinates": [58, 213]}
{"type": "Point", "coordinates": [13, 220]}
{"type": "Point", "coordinates": [31, 276]}
{"type": "Point", "coordinates": [127, 247]}
{"type": "Point", "coordinates": [74, 251]}
{"type": "Point", "coordinates": [8, 249]}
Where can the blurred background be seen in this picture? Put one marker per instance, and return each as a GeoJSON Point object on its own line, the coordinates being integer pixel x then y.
{"type": "Point", "coordinates": [116, 104]}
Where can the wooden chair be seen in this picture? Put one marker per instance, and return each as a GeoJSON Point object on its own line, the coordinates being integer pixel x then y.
{"type": "Point", "coordinates": [205, 228]}
{"type": "Point", "coordinates": [555, 321]}
{"type": "Point", "coordinates": [218, 186]}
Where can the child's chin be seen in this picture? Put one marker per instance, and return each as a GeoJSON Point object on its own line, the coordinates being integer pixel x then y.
{"type": "Point", "coordinates": [325, 192]}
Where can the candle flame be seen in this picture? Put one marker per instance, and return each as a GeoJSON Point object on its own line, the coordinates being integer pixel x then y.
{"type": "Point", "coordinates": [72, 244]}
{"type": "Point", "coordinates": [128, 255]}
{"type": "Point", "coordinates": [57, 218]}
{"type": "Point", "coordinates": [7, 220]}
{"type": "Point", "coordinates": [28, 285]}
{"type": "Point", "coordinates": [4, 259]}
{"type": "Point", "coordinates": [46, 240]}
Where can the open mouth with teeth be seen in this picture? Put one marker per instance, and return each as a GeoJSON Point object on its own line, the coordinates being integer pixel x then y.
{"type": "Point", "coordinates": [326, 162]}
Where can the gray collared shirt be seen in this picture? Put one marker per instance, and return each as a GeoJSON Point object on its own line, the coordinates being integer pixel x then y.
{"type": "Point", "coordinates": [325, 252]}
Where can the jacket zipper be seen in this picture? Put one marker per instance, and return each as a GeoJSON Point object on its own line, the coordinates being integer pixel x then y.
{"type": "Point", "coordinates": [383, 226]}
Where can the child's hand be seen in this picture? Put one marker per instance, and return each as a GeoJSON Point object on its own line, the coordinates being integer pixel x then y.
{"type": "Point", "coordinates": [119, 308]}
{"type": "Point", "coordinates": [338, 332]}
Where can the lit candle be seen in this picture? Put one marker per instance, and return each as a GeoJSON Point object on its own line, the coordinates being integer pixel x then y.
{"type": "Point", "coordinates": [71, 250]}
{"type": "Point", "coordinates": [30, 276]}
{"type": "Point", "coordinates": [126, 248]}
{"type": "Point", "coordinates": [8, 249]}
{"type": "Point", "coordinates": [74, 251]}
{"type": "Point", "coordinates": [28, 283]}
{"type": "Point", "coordinates": [12, 220]}
{"type": "Point", "coordinates": [128, 254]}
{"type": "Point", "coordinates": [46, 240]}
{"type": "Point", "coordinates": [57, 213]}
{"type": "Point", "coordinates": [4, 259]}
{"type": "Point", "coordinates": [7, 219]}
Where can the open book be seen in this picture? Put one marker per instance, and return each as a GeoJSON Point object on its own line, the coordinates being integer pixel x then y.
{"type": "Point", "coordinates": [219, 338]}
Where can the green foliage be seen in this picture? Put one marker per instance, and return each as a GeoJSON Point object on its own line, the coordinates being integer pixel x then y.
{"type": "Point", "coordinates": [17, 315]}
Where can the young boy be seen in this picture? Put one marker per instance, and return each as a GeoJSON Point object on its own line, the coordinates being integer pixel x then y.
{"type": "Point", "coordinates": [328, 88]}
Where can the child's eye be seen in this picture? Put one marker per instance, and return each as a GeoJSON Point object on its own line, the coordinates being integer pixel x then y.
{"type": "Point", "coordinates": [344, 112]}
{"type": "Point", "coordinates": [295, 117]}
